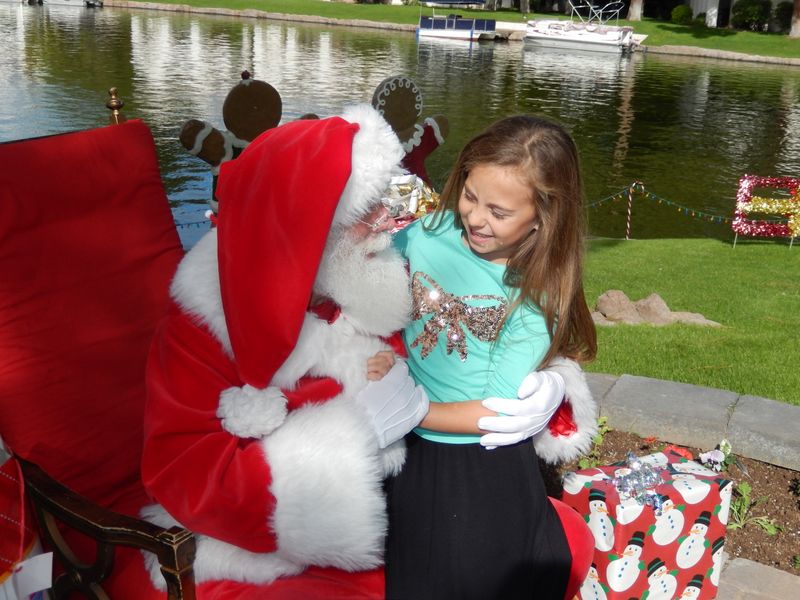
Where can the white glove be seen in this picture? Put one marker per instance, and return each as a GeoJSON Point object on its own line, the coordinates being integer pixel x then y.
{"type": "Point", "coordinates": [395, 404]}
{"type": "Point", "coordinates": [540, 395]}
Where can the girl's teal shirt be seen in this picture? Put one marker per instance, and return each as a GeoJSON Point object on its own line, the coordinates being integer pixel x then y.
{"type": "Point", "coordinates": [455, 350]}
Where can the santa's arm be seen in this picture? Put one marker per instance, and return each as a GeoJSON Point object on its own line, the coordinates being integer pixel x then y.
{"type": "Point", "coordinates": [567, 430]}
{"type": "Point", "coordinates": [311, 490]}
{"type": "Point", "coordinates": [554, 406]}
{"type": "Point", "coordinates": [207, 479]}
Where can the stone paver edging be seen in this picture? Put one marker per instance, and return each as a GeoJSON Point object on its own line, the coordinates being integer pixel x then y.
{"type": "Point", "coordinates": [744, 579]}
{"type": "Point", "coordinates": [697, 416]}
{"type": "Point", "coordinates": [694, 51]}
{"type": "Point", "coordinates": [693, 415]}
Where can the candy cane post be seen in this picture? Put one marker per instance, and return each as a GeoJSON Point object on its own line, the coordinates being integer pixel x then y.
{"type": "Point", "coordinates": [747, 203]}
{"type": "Point", "coordinates": [638, 188]}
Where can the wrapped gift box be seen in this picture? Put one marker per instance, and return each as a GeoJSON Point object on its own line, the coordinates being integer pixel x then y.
{"type": "Point", "coordinates": [641, 552]}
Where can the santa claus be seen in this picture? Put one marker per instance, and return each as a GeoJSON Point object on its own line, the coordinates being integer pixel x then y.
{"type": "Point", "coordinates": [263, 433]}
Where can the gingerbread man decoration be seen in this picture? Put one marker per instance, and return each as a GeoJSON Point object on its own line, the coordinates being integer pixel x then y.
{"type": "Point", "coordinates": [250, 108]}
{"type": "Point", "coordinates": [399, 100]}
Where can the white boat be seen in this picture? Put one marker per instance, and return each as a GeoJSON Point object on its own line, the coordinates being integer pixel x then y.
{"type": "Point", "coordinates": [456, 27]}
{"type": "Point", "coordinates": [581, 36]}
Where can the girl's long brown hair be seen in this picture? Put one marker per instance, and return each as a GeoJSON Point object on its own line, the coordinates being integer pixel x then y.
{"type": "Point", "coordinates": [547, 266]}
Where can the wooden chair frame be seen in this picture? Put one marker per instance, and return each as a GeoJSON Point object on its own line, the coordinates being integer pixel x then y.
{"type": "Point", "coordinates": [52, 503]}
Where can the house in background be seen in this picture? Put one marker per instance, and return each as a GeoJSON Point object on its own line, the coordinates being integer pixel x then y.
{"type": "Point", "coordinates": [718, 12]}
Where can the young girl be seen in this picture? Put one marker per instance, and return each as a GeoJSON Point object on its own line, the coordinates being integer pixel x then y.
{"type": "Point", "coordinates": [496, 281]}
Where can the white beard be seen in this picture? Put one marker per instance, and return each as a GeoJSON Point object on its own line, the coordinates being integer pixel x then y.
{"type": "Point", "coordinates": [368, 280]}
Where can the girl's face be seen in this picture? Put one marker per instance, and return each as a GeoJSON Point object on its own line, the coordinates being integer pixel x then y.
{"type": "Point", "coordinates": [497, 211]}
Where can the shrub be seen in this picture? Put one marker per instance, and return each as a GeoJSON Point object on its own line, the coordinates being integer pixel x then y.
{"type": "Point", "coordinates": [661, 10]}
{"type": "Point", "coordinates": [681, 15]}
{"type": "Point", "coordinates": [751, 14]}
{"type": "Point", "coordinates": [783, 15]}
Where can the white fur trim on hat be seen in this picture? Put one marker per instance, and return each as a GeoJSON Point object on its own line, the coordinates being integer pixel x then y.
{"type": "Point", "coordinates": [376, 157]}
{"type": "Point", "coordinates": [249, 412]}
{"type": "Point", "coordinates": [555, 449]}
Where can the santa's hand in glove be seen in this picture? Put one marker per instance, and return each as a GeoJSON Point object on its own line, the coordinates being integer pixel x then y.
{"type": "Point", "coordinates": [395, 404]}
{"type": "Point", "coordinates": [539, 396]}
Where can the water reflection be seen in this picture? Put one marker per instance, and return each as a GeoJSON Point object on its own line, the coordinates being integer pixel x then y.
{"type": "Point", "coordinates": [687, 128]}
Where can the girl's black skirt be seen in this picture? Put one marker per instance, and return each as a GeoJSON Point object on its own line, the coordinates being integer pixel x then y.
{"type": "Point", "coordinates": [469, 523]}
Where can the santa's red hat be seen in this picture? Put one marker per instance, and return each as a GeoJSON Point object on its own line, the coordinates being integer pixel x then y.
{"type": "Point", "coordinates": [278, 201]}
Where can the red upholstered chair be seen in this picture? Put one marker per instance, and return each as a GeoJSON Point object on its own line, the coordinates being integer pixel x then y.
{"type": "Point", "coordinates": [87, 250]}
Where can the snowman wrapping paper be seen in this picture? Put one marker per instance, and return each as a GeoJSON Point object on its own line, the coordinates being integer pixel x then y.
{"type": "Point", "coordinates": [648, 554]}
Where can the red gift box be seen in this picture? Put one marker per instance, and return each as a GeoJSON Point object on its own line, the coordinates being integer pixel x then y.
{"type": "Point", "coordinates": [643, 553]}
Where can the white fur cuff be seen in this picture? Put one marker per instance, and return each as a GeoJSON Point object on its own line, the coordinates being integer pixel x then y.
{"type": "Point", "coordinates": [563, 448]}
{"type": "Point", "coordinates": [249, 412]}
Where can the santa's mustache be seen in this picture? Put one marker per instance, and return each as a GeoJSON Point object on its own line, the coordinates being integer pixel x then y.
{"type": "Point", "coordinates": [368, 279]}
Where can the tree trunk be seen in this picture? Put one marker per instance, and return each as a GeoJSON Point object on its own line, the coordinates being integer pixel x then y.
{"type": "Point", "coordinates": [795, 30]}
{"type": "Point", "coordinates": [635, 10]}
{"type": "Point", "coordinates": [491, 5]}
{"type": "Point", "coordinates": [525, 6]}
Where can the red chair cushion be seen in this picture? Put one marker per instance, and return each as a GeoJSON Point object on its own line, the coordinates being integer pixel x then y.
{"type": "Point", "coordinates": [87, 249]}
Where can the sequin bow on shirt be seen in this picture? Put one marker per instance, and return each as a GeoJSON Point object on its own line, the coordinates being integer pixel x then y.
{"type": "Point", "coordinates": [451, 312]}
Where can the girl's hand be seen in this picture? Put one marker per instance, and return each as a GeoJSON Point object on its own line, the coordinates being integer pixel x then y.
{"type": "Point", "coordinates": [380, 364]}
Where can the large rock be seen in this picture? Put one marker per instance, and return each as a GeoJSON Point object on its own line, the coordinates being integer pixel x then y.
{"type": "Point", "coordinates": [694, 319]}
{"type": "Point", "coordinates": [654, 310]}
{"type": "Point", "coordinates": [615, 307]}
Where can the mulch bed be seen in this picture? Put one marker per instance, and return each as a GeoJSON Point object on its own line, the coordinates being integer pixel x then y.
{"type": "Point", "coordinates": [776, 489]}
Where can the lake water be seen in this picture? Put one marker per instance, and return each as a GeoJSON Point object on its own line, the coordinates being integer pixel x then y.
{"type": "Point", "coordinates": [686, 128]}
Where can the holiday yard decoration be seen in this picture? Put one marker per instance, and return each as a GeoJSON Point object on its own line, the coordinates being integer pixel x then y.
{"type": "Point", "coordinates": [250, 108]}
{"type": "Point", "coordinates": [399, 100]}
{"type": "Point", "coordinates": [747, 203]}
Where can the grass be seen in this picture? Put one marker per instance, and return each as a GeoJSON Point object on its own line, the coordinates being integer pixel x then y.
{"type": "Point", "coordinates": [659, 33]}
{"type": "Point", "coordinates": [751, 290]}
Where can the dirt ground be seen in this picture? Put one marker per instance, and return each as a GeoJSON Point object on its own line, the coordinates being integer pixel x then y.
{"type": "Point", "coordinates": [775, 489]}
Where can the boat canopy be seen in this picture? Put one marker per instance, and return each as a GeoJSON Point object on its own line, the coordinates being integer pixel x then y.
{"type": "Point", "coordinates": [457, 22]}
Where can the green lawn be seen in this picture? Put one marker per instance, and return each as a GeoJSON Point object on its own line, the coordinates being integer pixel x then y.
{"type": "Point", "coordinates": [752, 290]}
{"type": "Point", "coordinates": [659, 33]}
